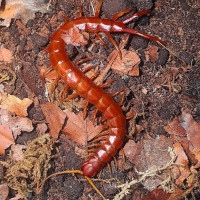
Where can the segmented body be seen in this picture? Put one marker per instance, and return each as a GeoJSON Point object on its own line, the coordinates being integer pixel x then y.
{"type": "Point", "coordinates": [94, 94]}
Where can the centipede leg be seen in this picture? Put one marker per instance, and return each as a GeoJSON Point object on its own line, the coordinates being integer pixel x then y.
{"type": "Point", "coordinates": [95, 114]}
{"type": "Point", "coordinates": [101, 119]}
{"type": "Point", "coordinates": [109, 168]}
{"type": "Point", "coordinates": [95, 145]}
{"type": "Point", "coordinates": [94, 75]}
{"type": "Point", "coordinates": [131, 115]}
{"type": "Point", "coordinates": [115, 160]}
{"type": "Point", "coordinates": [122, 99]}
{"type": "Point", "coordinates": [66, 18]}
{"type": "Point", "coordinates": [45, 49]}
{"type": "Point", "coordinates": [80, 12]}
{"type": "Point", "coordinates": [103, 133]}
{"type": "Point", "coordinates": [70, 97]}
{"type": "Point", "coordinates": [53, 85]}
{"type": "Point", "coordinates": [46, 71]}
{"type": "Point", "coordinates": [64, 92]}
{"type": "Point", "coordinates": [100, 138]}
{"type": "Point", "coordinates": [114, 43]}
{"type": "Point", "coordinates": [101, 40]}
{"type": "Point", "coordinates": [98, 8]}
{"type": "Point", "coordinates": [107, 83]}
{"type": "Point", "coordinates": [85, 109]}
{"type": "Point", "coordinates": [82, 61]}
{"type": "Point", "coordinates": [116, 93]}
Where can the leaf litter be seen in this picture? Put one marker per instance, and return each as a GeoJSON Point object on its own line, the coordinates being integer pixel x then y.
{"type": "Point", "coordinates": [165, 162]}
{"type": "Point", "coordinates": [20, 9]}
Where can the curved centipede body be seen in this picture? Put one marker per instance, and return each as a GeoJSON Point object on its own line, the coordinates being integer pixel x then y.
{"type": "Point", "coordinates": [85, 87]}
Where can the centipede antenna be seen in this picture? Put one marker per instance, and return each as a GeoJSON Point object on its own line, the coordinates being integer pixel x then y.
{"type": "Point", "coordinates": [38, 190]}
{"type": "Point", "coordinates": [132, 17]}
{"type": "Point", "coordinates": [121, 13]}
{"type": "Point", "coordinates": [135, 32]}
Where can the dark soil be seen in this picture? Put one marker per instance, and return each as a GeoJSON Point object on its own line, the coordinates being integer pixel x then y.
{"type": "Point", "coordinates": [175, 22]}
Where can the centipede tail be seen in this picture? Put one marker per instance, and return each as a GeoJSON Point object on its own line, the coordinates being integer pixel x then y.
{"type": "Point", "coordinates": [85, 87]}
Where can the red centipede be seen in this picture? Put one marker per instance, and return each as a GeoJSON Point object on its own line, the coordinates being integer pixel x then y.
{"type": "Point", "coordinates": [85, 87]}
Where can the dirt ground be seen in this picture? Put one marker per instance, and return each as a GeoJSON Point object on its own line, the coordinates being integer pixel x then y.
{"type": "Point", "coordinates": [165, 87]}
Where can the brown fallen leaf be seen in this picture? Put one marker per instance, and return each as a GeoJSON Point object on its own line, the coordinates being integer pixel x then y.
{"type": "Point", "coordinates": [15, 123]}
{"type": "Point", "coordinates": [5, 55]}
{"type": "Point", "coordinates": [181, 160]}
{"type": "Point", "coordinates": [150, 154]}
{"type": "Point", "coordinates": [20, 9]}
{"type": "Point", "coordinates": [4, 191]}
{"type": "Point", "coordinates": [14, 104]}
{"type": "Point", "coordinates": [157, 194]}
{"type": "Point", "coordinates": [153, 53]}
{"type": "Point", "coordinates": [74, 37]}
{"type": "Point", "coordinates": [175, 128]}
{"type": "Point", "coordinates": [186, 131]}
{"type": "Point", "coordinates": [193, 134]}
{"type": "Point", "coordinates": [55, 118]}
{"type": "Point", "coordinates": [6, 138]}
{"type": "Point", "coordinates": [128, 65]}
{"type": "Point", "coordinates": [80, 130]}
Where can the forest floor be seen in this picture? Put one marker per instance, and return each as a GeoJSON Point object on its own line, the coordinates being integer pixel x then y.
{"type": "Point", "coordinates": [162, 87]}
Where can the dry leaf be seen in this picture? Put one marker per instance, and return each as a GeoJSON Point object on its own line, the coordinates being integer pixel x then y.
{"type": "Point", "coordinates": [181, 159]}
{"type": "Point", "coordinates": [193, 134]}
{"type": "Point", "coordinates": [17, 151]}
{"type": "Point", "coordinates": [149, 154]}
{"type": "Point", "coordinates": [55, 118]}
{"type": "Point", "coordinates": [175, 128]}
{"type": "Point", "coordinates": [153, 53]}
{"type": "Point", "coordinates": [15, 123]}
{"type": "Point", "coordinates": [129, 63]}
{"type": "Point", "coordinates": [6, 138]}
{"type": "Point", "coordinates": [5, 55]}
{"type": "Point", "coordinates": [80, 130]}
{"type": "Point", "coordinates": [14, 104]}
{"type": "Point", "coordinates": [4, 191]}
{"type": "Point", "coordinates": [157, 194]}
{"type": "Point", "coordinates": [74, 37]}
{"type": "Point", "coordinates": [20, 9]}
{"type": "Point", "coordinates": [187, 132]}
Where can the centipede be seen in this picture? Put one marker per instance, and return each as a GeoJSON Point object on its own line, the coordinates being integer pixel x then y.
{"type": "Point", "coordinates": [115, 130]}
